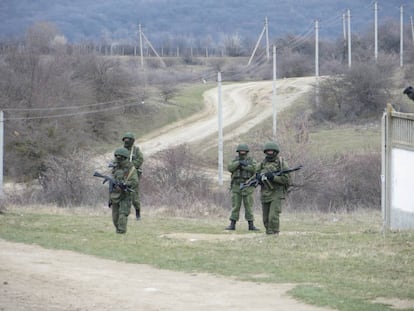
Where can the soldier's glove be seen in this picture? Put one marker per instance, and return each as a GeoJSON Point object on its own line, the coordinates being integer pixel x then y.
{"type": "Point", "coordinates": [243, 163]}
{"type": "Point", "coordinates": [110, 204]}
{"type": "Point", "coordinates": [259, 179]}
{"type": "Point", "coordinates": [123, 186]}
{"type": "Point", "coordinates": [269, 176]}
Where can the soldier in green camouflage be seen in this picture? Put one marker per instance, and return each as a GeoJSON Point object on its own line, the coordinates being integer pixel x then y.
{"type": "Point", "coordinates": [273, 188]}
{"type": "Point", "coordinates": [241, 168]}
{"type": "Point", "coordinates": [137, 158]}
{"type": "Point", "coordinates": [125, 174]}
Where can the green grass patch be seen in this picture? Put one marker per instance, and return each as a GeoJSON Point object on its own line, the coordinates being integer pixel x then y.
{"type": "Point", "coordinates": [355, 139]}
{"type": "Point", "coordinates": [191, 97]}
{"type": "Point", "coordinates": [188, 101]}
{"type": "Point", "coordinates": [338, 260]}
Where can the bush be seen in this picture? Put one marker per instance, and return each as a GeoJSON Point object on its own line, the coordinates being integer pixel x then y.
{"type": "Point", "coordinates": [325, 183]}
{"type": "Point", "coordinates": [174, 179]}
{"type": "Point", "coordinates": [346, 181]}
{"type": "Point", "coordinates": [68, 181]}
{"type": "Point", "coordinates": [362, 92]}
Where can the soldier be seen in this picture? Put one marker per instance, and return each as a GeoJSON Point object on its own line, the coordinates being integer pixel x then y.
{"type": "Point", "coordinates": [409, 91]}
{"type": "Point", "coordinates": [241, 168]}
{"type": "Point", "coordinates": [273, 188]}
{"type": "Point", "coordinates": [126, 175]}
{"type": "Point", "coordinates": [137, 158]}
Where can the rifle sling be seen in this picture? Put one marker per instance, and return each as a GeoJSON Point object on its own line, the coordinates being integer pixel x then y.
{"type": "Point", "coordinates": [131, 171]}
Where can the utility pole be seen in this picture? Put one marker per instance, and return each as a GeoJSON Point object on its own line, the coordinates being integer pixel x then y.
{"type": "Point", "coordinates": [376, 31]}
{"type": "Point", "coordinates": [349, 40]}
{"type": "Point", "coordinates": [412, 28]}
{"type": "Point", "coordinates": [344, 33]}
{"type": "Point", "coordinates": [317, 62]}
{"type": "Point", "coordinates": [1, 150]}
{"type": "Point", "coordinates": [401, 35]}
{"type": "Point", "coordinates": [140, 45]}
{"type": "Point", "coordinates": [258, 42]}
{"type": "Point", "coordinates": [316, 50]}
{"type": "Point", "coordinates": [220, 132]}
{"type": "Point", "coordinates": [142, 36]}
{"type": "Point", "coordinates": [274, 93]}
{"type": "Point", "coordinates": [344, 26]}
{"type": "Point", "coordinates": [267, 40]}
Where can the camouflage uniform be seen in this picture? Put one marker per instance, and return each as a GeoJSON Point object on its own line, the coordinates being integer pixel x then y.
{"type": "Point", "coordinates": [273, 189]}
{"type": "Point", "coordinates": [120, 200]}
{"type": "Point", "coordinates": [137, 158]}
{"type": "Point", "coordinates": [241, 168]}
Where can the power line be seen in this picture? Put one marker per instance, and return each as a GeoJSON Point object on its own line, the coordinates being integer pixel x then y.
{"type": "Point", "coordinates": [68, 107]}
{"type": "Point", "coordinates": [71, 114]}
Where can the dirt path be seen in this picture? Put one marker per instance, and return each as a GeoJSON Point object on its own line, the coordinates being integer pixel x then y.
{"type": "Point", "coordinates": [34, 278]}
{"type": "Point", "coordinates": [38, 279]}
{"type": "Point", "coordinates": [244, 106]}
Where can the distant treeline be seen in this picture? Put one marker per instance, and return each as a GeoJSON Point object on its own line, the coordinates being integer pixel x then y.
{"type": "Point", "coordinates": [134, 50]}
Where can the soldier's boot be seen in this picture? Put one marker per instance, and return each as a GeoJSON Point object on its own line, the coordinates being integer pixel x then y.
{"type": "Point", "coordinates": [137, 214]}
{"type": "Point", "coordinates": [232, 225]}
{"type": "Point", "coordinates": [252, 227]}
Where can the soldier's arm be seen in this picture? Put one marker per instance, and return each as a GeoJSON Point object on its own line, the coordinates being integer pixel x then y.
{"type": "Point", "coordinates": [233, 165]}
{"type": "Point", "coordinates": [139, 157]}
{"type": "Point", "coordinates": [285, 178]}
{"type": "Point", "coordinates": [251, 167]}
{"type": "Point", "coordinates": [132, 181]}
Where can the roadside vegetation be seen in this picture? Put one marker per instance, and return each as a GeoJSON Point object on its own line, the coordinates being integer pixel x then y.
{"type": "Point", "coordinates": [339, 260]}
{"type": "Point", "coordinates": [64, 108]}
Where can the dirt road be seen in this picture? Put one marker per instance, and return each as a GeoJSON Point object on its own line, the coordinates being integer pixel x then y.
{"type": "Point", "coordinates": [244, 106]}
{"type": "Point", "coordinates": [37, 279]}
{"type": "Point", "coordinates": [34, 278]}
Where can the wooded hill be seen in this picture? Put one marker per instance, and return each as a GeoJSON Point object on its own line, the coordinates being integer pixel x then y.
{"type": "Point", "coordinates": [197, 20]}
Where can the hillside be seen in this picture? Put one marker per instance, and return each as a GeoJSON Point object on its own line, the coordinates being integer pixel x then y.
{"type": "Point", "coordinates": [81, 20]}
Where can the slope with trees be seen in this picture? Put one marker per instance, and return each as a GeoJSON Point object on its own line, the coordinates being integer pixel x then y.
{"type": "Point", "coordinates": [59, 101]}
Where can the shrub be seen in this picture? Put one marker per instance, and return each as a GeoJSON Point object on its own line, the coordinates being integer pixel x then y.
{"type": "Point", "coordinates": [325, 183]}
{"type": "Point", "coordinates": [362, 92]}
{"type": "Point", "coordinates": [346, 181]}
{"type": "Point", "coordinates": [174, 178]}
{"type": "Point", "coordinates": [67, 181]}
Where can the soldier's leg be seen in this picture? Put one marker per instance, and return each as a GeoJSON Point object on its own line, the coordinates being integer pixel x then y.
{"type": "Point", "coordinates": [136, 203]}
{"type": "Point", "coordinates": [115, 215]}
{"type": "Point", "coordinates": [236, 200]}
{"type": "Point", "coordinates": [124, 210]}
{"type": "Point", "coordinates": [274, 215]}
{"type": "Point", "coordinates": [248, 207]}
{"type": "Point", "coordinates": [265, 215]}
{"type": "Point", "coordinates": [248, 214]}
{"type": "Point", "coordinates": [235, 211]}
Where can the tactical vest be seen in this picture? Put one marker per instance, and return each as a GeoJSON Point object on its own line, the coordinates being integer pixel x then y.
{"type": "Point", "coordinates": [122, 175]}
{"type": "Point", "coordinates": [240, 175]}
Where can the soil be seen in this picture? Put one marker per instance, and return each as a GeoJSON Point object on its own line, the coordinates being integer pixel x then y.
{"type": "Point", "coordinates": [35, 278]}
{"type": "Point", "coordinates": [243, 106]}
{"type": "Point", "coordinates": [39, 279]}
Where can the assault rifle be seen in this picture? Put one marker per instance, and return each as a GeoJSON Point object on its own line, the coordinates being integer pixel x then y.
{"type": "Point", "coordinates": [259, 179]}
{"type": "Point", "coordinates": [113, 183]}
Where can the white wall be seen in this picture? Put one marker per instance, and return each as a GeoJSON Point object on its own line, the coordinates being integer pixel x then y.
{"type": "Point", "coordinates": [402, 189]}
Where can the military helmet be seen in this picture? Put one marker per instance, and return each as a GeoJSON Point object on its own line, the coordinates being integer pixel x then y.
{"type": "Point", "coordinates": [122, 152]}
{"type": "Point", "coordinates": [271, 146]}
{"type": "Point", "coordinates": [128, 135]}
{"type": "Point", "coordinates": [242, 147]}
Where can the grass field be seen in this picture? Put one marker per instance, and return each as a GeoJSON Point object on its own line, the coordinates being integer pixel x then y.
{"type": "Point", "coordinates": [343, 261]}
{"type": "Point", "coordinates": [346, 139]}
